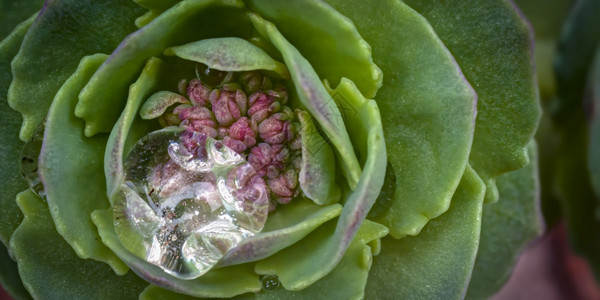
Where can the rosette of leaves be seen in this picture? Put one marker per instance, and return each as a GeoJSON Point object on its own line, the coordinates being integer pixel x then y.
{"type": "Point", "coordinates": [423, 107]}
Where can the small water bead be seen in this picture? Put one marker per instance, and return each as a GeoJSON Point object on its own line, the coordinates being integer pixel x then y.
{"type": "Point", "coordinates": [184, 209]}
{"type": "Point", "coordinates": [270, 283]}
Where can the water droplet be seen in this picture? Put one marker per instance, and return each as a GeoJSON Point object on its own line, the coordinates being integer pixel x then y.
{"type": "Point", "coordinates": [270, 283]}
{"type": "Point", "coordinates": [29, 160]}
{"type": "Point", "coordinates": [183, 209]}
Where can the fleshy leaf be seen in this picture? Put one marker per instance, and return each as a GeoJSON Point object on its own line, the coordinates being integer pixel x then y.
{"type": "Point", "coordinates": [547, 21]}
{"type": "Point", "coordinates": [71, 166]}
{"type": "Point", "coordinates": [506, 117]}
{"type": "Point", "coordinates": [313, 95]}
{"type": "Point", "coordinates": [12, 13]}
{"type": "Point", "coordinates": [48, 56]}
{"type": "Point", "coordinates": [317, 173]}
{"type": "Point", "coordinates": [148, 17]}
{"type": "Point", "coordinates": [437, 263]}
{"type": "Point", "coordinates": [427, 109]}
{"type": "Point", "coordinates": [115, 146]}
{"type": "Point", "coordinates": [575, 52]}
{"type": "Point", "coordinates": [156, 4]}
{"type": "Point", "coordinates": [572, 182]}
{"type": "Point", "coordinates": [104, 96]}
{"type": "Point", "coordinates": [594, 127]}
{"type": "Point", "coordinates": [229, 54]}
{"type": "Point", "coordinates": [215, 283]}
{"type": "Point", "coordinates": [9, 276]}
{"type": "Point", "coordinates": [351, 272]}
{"type": "Point", "coordinates": [307, 267]}
{"type": "Point", "coordinates": [10, 148]}
{"type": "Point", "coordinates": [158, 103]}
{"type": "Point", "coordinates": [284, 227]}
{"type": "Point", "coordinates": [507, 227]}
{"type": "Point", "coordinates": [314, 28]}
{"type": "Point", "coordinates": [51, 270]}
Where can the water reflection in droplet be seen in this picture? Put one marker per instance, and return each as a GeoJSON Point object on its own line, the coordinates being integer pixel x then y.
{"type": "Point", "coordinates": [270, 283]}
{"type": "Point", "coordinates": [184, 211]}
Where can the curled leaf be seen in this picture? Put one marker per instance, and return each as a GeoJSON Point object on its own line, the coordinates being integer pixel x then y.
{"type": "Point", "coordinates": [229, 54]}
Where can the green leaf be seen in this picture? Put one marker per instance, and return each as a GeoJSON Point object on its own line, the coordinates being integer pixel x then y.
{"type": "Point", "coordinates": [157, 104]}
{"type": "Point", "coordinates": [507, 227]}
{"type": "Point", "coordinates": [9, 276]}
{"type": "Point", "coordinates": [115, 146]}
{"type": "Point", "coordinates": [284, 227]}
{"type": "Point", "coordinates": [315, 98]}
{"type": "Point", "coordinates": [575, 53]}
{"type": "Point", "coordinates": [427, 108]}
{"type": "Point", "coordinates": [547, 21]}
{"type": "Point", "coordinates": [51, 270]}
{"type": "Point", "coordinates": [12, 13]}
{"type": "Point", "coordinates": [594, 127]}
{"type": "Point", "coordinates": [327, 246]}
{"type": "Point", "coordinates": [437, 263]}
{"type": "Point", "coordinates": [156, 4]}
{"type": "Point", "coordinates": [317, 172]}
{"type": "Point", "coordinates": [215, 283]}
{"type": "Point", "coordinates": [10, 148]}
{"type": "Point", "coordinates": [229, 54]}
{"type": "Point", "coordinates": [501, 71]}
{"type": "Point", "coordinates": [574, 190]}
{"type": "Point", "coordinates": [351, 273]}
{"type": "Point", "coordinates": [71, 167]}
{"type": "Point", "coordinates": [327, 39]}
{"type": "Point", "coordinates": [104, 96]}
{"type": "Point", "coordinates": [148, 17]}
{"type": "Point", "coordinates": [55, 43]}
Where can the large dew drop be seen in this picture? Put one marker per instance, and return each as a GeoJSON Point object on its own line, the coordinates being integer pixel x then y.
{"type": "Point", "coordinates": [183, 209]}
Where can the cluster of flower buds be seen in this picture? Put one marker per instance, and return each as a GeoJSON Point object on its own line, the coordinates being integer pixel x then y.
{"type": "Point", "coordinates": [248, 114]}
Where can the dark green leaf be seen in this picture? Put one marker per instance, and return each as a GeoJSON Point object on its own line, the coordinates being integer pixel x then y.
{"type": "Point", "coordinates": [427, 108]}
{"type": "Point", "coordinates": [102, 100]}
{"type": "Point", "coordinates": [507, 227]}
{"type": "Point", "coordinates": [10, 148]}
{"type": "Point", "coordinates": [14, 12]}
{"type": "Point", "coordinates": [62, 34]}
{"type": "Point", "coordinates": [593, 113]}
{"type": "Point", "coordinates": [71, 167]}
{"type": "Point", "coordinates": [437, 263]}
{"type": "Point", "coordinates": [9, 276]}
{"type": "Point", "coordinates": [492, 45]}
{"type": "Point", "coordinates": [51, 270]}
{"type": "Point", "coordinates": [327, 39]}
{"type": "Point", "coordinates": [575, 53]}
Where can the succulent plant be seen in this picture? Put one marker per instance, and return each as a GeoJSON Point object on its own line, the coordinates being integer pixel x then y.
{"type": "Point", "coordinates": [266, 149]}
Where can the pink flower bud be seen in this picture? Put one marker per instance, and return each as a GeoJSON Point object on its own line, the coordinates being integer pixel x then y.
{"type": "Point", "coordinates": [266, 158]}
{"type": "Point", "coordinates": [277, 128]}
{"type": "Point", "coordinates": [284, 187]}
{"type": "Point", "coordinates": [198, 93]}
{"type": "Point", "coordinates": [244, 130]}
{"type": "Point", "coordinates": [261, 105]}
{"type": "Point", "coordinates": [228, 107]}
